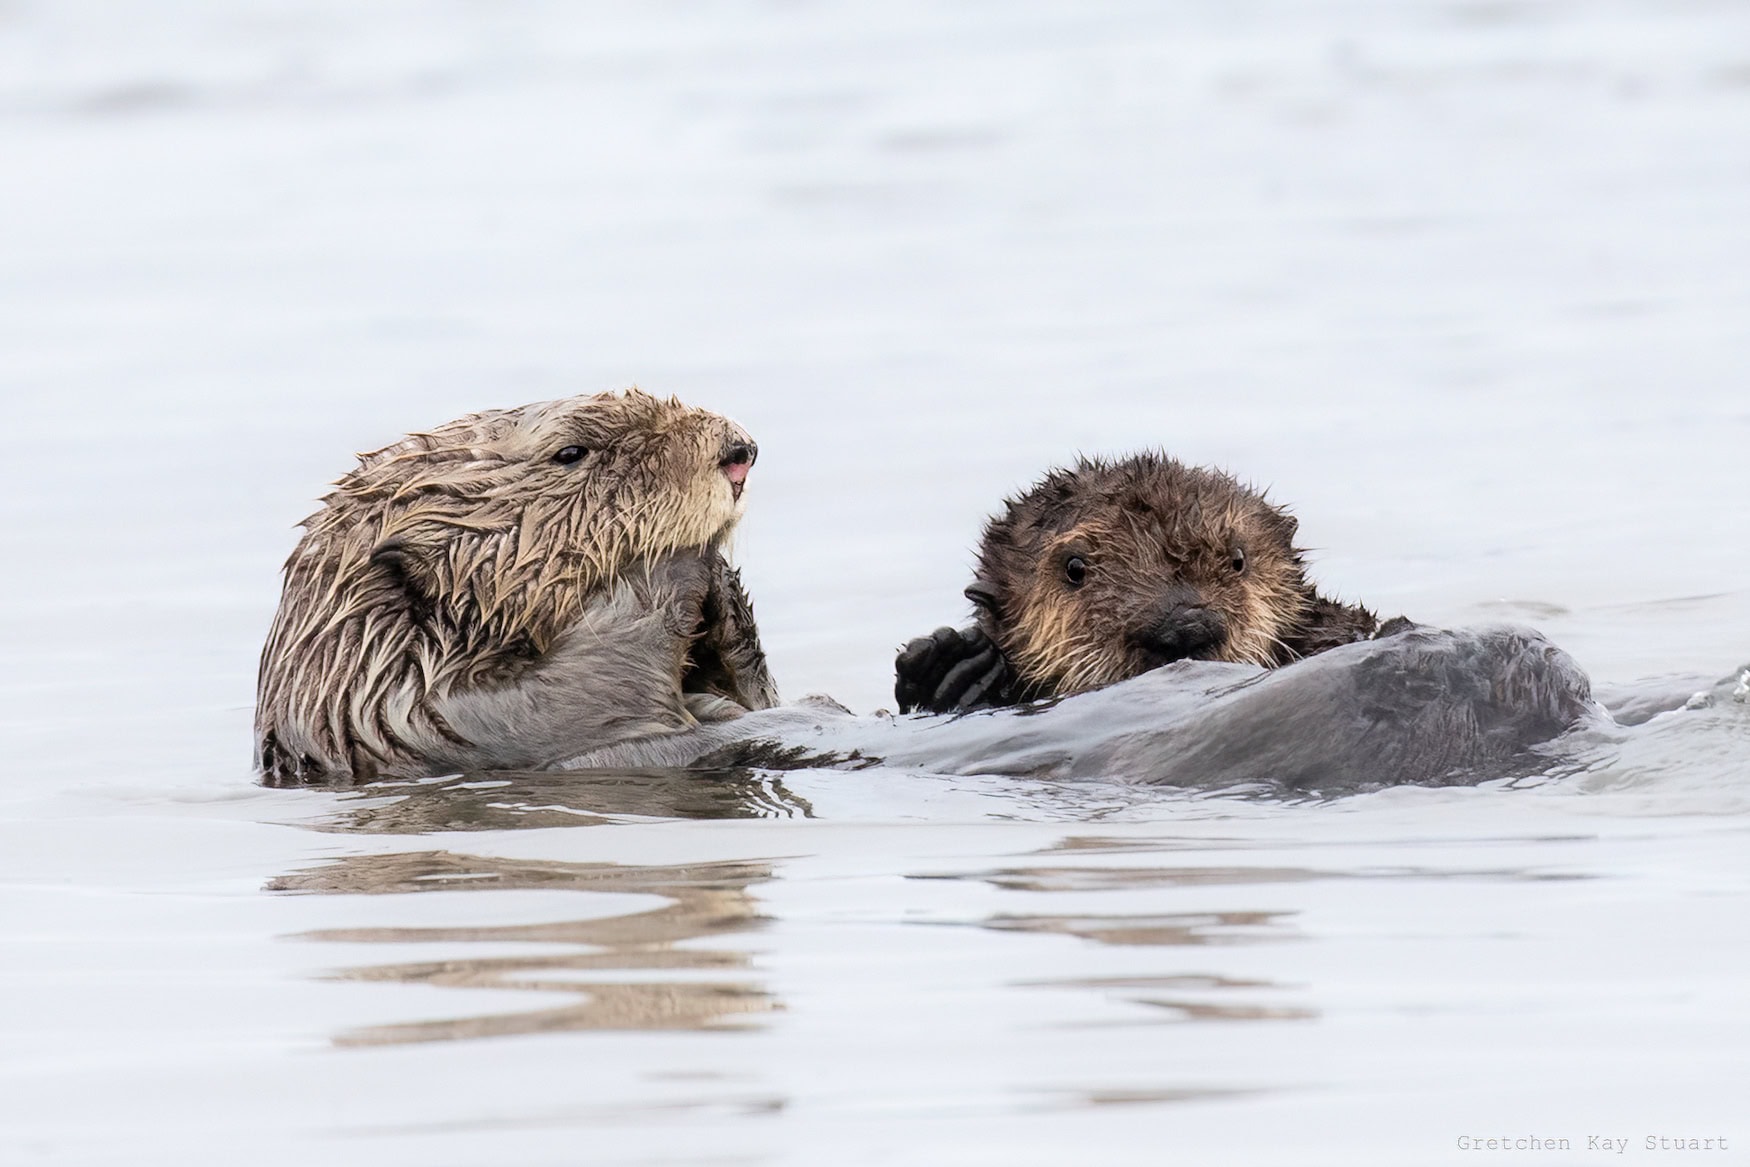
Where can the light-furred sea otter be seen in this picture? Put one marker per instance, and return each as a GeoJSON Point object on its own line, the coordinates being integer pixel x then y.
{"type": "Point", "coordinates": [511, 589]}
{"type": "Point", "coordinates": [1111, 568]}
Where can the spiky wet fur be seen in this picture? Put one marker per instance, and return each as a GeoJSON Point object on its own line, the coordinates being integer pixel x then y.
{"type": "Point", "coordinates": [461, 579]}
{"type": "Point", "coordinates": [1142, 525]}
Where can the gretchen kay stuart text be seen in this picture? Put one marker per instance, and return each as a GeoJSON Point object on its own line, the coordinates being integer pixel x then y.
{"type": "Point", "coordinates": [1596, 1144]}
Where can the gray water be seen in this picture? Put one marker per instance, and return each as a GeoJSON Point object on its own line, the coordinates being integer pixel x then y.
{"type": "Point", "coordinates": [1466, 284]}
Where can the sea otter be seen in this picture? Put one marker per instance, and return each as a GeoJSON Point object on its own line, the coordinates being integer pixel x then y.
{"type": "Point", "coordinates": [512, 588]}
{"type": "Point", "coordinates": [543, 588]}
{"type": "Point", "coordinates": [1109, 569]}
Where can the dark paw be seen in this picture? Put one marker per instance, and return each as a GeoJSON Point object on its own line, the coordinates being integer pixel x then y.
{"type": "Point", "coordinates": [1394, 626]}
{"type": "Point", "coordinates": [948, 670]}
{"type": "Point", "coordinates": [725, 654]}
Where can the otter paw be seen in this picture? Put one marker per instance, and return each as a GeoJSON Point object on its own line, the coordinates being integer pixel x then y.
{"type": "Point", "coordinates": [1393, 627]}
{"type": "Point", "coordinates": [950, 670]}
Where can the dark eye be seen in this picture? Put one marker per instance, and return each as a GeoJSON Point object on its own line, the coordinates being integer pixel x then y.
{"type": "Point", "coordinates": [569, 455]}
{"type": "Point", "coordinates": [1075, 570]}
{"type": "Point", "coordinates": [1239, 559]}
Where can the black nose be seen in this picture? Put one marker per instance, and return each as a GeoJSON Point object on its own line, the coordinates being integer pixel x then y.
{"type": "Point", "coordinates": [740, 453]}
{"type": "Point", "coordinates": [1185, 631]}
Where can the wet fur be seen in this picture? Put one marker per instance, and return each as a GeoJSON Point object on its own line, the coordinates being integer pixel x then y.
{"type": "Point", "coordinates": [464, 600]}
{"type": "Point", "coordinates": [1152, 533]}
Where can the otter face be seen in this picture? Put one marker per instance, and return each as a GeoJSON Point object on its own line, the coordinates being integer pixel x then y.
{"type": "Point", "coordinates": [594, 481]}
{"type": "Point", "coordinates": [1107, 570]}
{"type": "Point", "coordinates": [454, 557]}
{"type": "Point", "coordinates": [512, 516]}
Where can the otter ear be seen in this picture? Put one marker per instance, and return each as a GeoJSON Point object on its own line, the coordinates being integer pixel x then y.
{"type": "Point", "coordinates": [982, 595]}
{"type": "Point", "coordinates": [404, 564]}
{"type": "Point", "coordinates": [1290, 525]}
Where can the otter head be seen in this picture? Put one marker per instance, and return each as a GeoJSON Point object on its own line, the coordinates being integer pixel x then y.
{"type": "Point", "coordinates": [1109, 569]}
{"type": "Point", "coordinates": [455, 557]}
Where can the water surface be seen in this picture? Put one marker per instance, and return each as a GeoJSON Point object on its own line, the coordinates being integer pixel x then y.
{"type": "Point", "coordinates": [1464, 283]}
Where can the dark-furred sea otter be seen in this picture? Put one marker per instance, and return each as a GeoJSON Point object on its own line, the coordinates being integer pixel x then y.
{"type": "Point", "coordinates": [1111, 568]}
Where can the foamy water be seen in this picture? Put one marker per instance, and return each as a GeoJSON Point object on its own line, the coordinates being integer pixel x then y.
{"type": "Point", "coordinates": [1465, 284]}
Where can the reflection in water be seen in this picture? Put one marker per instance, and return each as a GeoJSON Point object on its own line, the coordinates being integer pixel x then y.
{"type": "Point", "coordinates": [1080, 1098]}
{"type": "Point", "coordinates": [1185, 995]}
{"type": "Point", "coordinates": [708, 899]}
{"type": "Point", "coordinates": [1175, 929]}
{"type": "Point", "coordinates": [1132, 844]}
{"type": "Point", "coordinates": [1177, 996]}
{"type": "Point", "coordinates": [516, 799]}
{"type": "Point", "coordinates": [1137, 878]}
{"type": "Point", "coordinates": [597, 1114]}
{"type": "Point", "coordinates": [1184, 1007]}
{"type": "Point", "coordinates": [1127, 878]}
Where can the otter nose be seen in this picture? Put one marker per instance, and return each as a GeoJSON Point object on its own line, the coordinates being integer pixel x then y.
{"type": "Point", "coordinates": [740, 452]}
{"type": "Point", "coordinates": [738, 458]}
{"type": "Point", "coordinates": [1187, 630]}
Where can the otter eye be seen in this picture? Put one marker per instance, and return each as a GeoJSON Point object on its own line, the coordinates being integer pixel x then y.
{"type": "Point", "coordinates": [1239, 559]}
{"type": "Point", "coordinates": [1075, 570]}
{"type": "Point", "coordinates": [569, 455]}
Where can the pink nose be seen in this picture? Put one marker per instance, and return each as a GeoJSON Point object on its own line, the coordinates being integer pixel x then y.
{"type": "Point", "coordinates": [738, 459]}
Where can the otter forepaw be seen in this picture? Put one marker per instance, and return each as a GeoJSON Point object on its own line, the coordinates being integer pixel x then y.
{"type": "Point", "coordinates": [1393, 627]}
{"type": "Point", "coordinates": [950, 670]}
